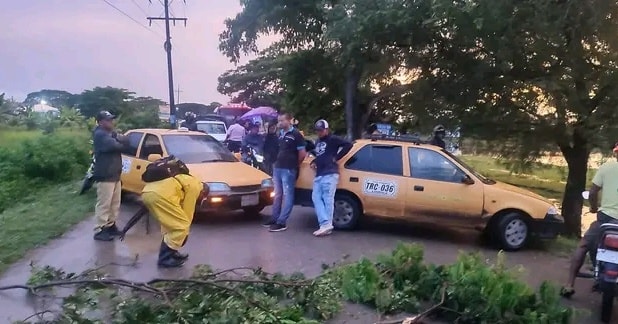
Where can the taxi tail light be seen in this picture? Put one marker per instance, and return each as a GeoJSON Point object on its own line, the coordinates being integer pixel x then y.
{"type": "Point", "coordinates": [611, 241]}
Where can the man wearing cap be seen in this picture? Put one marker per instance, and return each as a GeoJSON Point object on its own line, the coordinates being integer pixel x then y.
{"type": "Point", "coordinates": [108, 146]}
{"type": "Point", "coordinates": [328, 150]}
{"type": "Point", "coordinates": [605, 180]}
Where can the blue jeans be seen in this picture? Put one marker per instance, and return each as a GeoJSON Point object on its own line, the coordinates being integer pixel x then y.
{"type": "Point", "coordinates": [285, 182]}
{"type": "Point", "coordinates": [323, 197]}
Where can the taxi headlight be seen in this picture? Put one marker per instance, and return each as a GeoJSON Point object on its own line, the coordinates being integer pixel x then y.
{"type": "Point", "coordinates": [268, 183]}
{"type": "Point", "coordinates": [218, 186]}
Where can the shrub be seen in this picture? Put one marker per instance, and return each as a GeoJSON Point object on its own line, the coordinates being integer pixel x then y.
{"type": "Point", "coordinates": [38, 162]}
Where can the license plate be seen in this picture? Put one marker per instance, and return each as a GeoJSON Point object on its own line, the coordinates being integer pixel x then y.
{"type": "Point", "coordinates": [249, 200]}
{"type": "Point", "coordinates": [607, 256]}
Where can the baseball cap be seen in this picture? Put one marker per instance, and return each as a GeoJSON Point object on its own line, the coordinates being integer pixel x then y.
{"type": "Point", "coordinates": [104, 115]}
{"type": "Point", "coordinates": [321, 125]}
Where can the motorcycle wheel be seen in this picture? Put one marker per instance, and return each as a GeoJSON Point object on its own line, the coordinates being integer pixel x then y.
{"type": "Point", "coordinates": [607, 302]}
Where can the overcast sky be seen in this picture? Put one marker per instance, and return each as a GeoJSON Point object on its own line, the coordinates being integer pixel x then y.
{"type": "Point", "coordinates": [79, 44]}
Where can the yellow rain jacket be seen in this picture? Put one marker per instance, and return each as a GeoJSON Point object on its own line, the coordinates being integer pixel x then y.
{"type": "Point", "coordinates": [172, 202]}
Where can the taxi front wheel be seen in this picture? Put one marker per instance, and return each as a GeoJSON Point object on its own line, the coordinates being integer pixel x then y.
{"type": "Point", "coordinates": [512, 231]}
{"type": "Point", "coordinates": [347, 212]}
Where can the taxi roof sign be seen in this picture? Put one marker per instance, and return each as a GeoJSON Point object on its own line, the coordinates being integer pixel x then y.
{"type": "Point", "coordinates": [397, 138]}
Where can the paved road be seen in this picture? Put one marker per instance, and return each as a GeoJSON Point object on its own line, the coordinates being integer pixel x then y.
{"type": "Point", "coordinates": [227, 241]}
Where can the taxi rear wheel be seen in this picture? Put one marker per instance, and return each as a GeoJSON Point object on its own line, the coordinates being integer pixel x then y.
{"type": "Point", "coordinates": [512, 231]}
{"type": "Point", "coordinates": [347, 212]}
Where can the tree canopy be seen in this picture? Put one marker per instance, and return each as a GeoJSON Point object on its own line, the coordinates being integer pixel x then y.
{"type": "Point", "coordinates": [528, 76]}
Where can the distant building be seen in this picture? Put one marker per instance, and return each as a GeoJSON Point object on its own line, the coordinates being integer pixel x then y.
{"type": "Point", "coordinates": [45, 109]}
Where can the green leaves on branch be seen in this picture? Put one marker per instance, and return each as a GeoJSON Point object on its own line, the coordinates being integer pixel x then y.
{"type": "Point", "coordinates": [469, 291]}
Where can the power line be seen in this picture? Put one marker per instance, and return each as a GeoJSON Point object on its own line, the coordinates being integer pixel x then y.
{"type": "Point", "coordinates": [129, 16]}
{"type": "Point", "coordinates": [144, 12]}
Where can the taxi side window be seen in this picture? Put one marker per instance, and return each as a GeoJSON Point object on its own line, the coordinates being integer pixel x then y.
{"type": "Point", "coordinates": [431, 165]}
{"type": "Point", "coordinates": [134, 139]}
{"type": "Point", "coordinates": [384, 159]}
{"type": "Point", "coordinates": [151, 145]}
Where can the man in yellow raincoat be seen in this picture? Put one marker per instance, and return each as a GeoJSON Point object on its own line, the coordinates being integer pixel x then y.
{"type": "Point", "coordinates": [172, 202]}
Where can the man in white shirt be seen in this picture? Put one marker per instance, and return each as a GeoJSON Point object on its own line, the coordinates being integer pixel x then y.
{"type": "Point", "coordinates": [235, 134]}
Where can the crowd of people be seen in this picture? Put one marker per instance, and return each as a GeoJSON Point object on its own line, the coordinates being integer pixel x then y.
{"type": "Point", "coordinates": [171, 196]}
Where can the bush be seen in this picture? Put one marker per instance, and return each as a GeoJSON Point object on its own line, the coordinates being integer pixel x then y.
{"type": "Point", "coordinates": [38, 162]}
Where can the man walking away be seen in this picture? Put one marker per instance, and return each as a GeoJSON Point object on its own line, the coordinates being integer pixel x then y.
{"type": "Point", "coordinates": [606, 180]}
{"type": "Point", "coordinates": [235, 134]}
{"type": "Point", "coordinates": [439, 132]}
{"type": "Point", "coordinates": [108, 146]}
{"type": "Point", "coordinates": [291, 153]}
{"type": "Point", "coordinates": [328, 150]}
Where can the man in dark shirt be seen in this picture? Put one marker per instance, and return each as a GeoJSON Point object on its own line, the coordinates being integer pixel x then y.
{"type": "Point", "coordinates": [108, 146]}
{"type": "Point", "coordinates": [439, 132]}
{"type": "Point", "coordinates": [290, 154]}
{"type": "Point", "coordinates": [328, 150]}
{"type": "Point", "coordinates": [271, 148]}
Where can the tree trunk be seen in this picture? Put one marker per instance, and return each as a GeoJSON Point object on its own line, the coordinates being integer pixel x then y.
{"type": "Point", "coordinates": [576, 157]}
{"type": "Point", "coordinates": [352, 115]}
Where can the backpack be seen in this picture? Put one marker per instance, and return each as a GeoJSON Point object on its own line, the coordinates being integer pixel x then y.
{"type": "Point", "coordinates": [164, 168]}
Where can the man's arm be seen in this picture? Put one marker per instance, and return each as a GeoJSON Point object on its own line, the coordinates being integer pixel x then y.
{"type": "Point", "coordinates": [343, 147]}
{"type": "Point", "coordinates": [105, 143]}
{"type": "Point", "coordinates": [300, 146]}
{"type": "Point", "coordinates": [597, 185]}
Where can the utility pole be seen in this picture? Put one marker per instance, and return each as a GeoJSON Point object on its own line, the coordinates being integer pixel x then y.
{"type": "Point", "coordinates": [168, 49]}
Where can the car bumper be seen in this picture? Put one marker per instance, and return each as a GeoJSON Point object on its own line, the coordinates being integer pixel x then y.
{"type": "Point", "coordinates": [549, 227]}
{"type": "Point", "coordinates": [217, 202]}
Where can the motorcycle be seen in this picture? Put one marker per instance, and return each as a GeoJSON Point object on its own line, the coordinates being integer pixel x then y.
{"type": "Point", "coordinates": [252, 157]}
{"type": "Point", "coordinates": [605, 266]}
{"type": "Point", "coordinates": [88, 181]}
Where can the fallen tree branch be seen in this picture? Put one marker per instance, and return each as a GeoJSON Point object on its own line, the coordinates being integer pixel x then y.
{"type": "Point", "coordinates": [418, 319]}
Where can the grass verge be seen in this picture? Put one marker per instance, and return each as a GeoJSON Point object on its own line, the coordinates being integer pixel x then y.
{"type": "Point", "coordinates": [42, 216]}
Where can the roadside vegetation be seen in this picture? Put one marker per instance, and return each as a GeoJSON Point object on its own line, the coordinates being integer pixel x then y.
{"type": "Point", "coordinates": [400, 284]}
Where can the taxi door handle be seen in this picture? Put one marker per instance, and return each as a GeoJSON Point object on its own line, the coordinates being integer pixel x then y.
{"type": "Point", "coordinates": [353, 179]}
{"type": "Point", "coordinates": [419, 188]}
{"type": "Point", "coordinates": [138, 167]}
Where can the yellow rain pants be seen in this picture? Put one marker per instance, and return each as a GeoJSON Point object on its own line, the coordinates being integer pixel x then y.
{"type": "Point", "coordinates": [172, 202]}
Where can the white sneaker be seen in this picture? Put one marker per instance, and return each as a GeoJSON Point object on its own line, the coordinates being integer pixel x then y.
{"type": "Point", "coordinates": [323, 231]}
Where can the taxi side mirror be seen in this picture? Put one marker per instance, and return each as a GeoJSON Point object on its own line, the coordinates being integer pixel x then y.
{"type": "Point", "coordinates": [154, 157]}
{"type": "Point", "coordinates": [465, 179]}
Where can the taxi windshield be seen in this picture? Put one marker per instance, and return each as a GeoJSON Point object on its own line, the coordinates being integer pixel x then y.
{"type": "Point", "coordinates": [197, 149]}
{"type": "Point", "coordinates": [481, 177]}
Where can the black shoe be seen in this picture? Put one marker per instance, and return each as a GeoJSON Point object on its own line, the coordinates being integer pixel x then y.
{"type": "Point", "coordinates": [277, 228]}
{"type": "Point", "coordinates": [113, 230]}
{"type": "Point", "coordinates": [180, 256]}
{"type": "Point", "coordinates": [103, 235]}
{"type": "Point", "coordinates": [269, 223]}
{"type": "Point", "coordinates": [167, 257]}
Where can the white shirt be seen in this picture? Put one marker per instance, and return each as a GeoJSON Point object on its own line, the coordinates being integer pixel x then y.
{"type": "Point", "coordinates": [236, 133]}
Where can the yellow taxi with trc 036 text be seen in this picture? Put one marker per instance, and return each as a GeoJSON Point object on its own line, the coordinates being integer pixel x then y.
{"type": "Point", "coordinates": [233, 185]}
{"type": "Point", "coordinates": [402, 178]}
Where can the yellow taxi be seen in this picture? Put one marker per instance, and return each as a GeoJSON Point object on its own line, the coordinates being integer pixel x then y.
{"type": "Point", "coordinates": [401, 178]}
{"type": "Point", "coordinates": [233, 185]}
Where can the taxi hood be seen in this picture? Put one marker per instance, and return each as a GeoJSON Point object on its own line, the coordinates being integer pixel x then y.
{"type": "Point", "coordinates": [510, 188]}
{"type": "Point", "coordinates": [232, 173]}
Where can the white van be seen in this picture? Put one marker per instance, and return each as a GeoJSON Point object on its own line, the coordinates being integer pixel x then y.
{"type": "Point", "coordinates": [216, 129]}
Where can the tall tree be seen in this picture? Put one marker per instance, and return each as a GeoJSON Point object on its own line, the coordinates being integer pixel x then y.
{"type": "Point", "coordinates": [54, 98]}
{"type": "Point", "coordinates": [529, 75]}
{"type": "Point", "coordinates": [115, 100]}
{"type": "Point", "coordinates": [335, 30]}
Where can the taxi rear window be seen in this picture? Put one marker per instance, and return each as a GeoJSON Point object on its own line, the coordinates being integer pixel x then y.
{"type": "Point", "coordinates": [384, 159]}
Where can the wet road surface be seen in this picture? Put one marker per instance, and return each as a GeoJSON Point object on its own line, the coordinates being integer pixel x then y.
{"type": "Point", "coordinates": [233, 240]}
